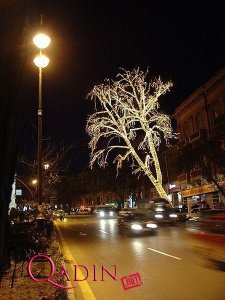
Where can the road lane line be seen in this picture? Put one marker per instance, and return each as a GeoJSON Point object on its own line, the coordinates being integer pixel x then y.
{"type": "Point", "coordinates": [84, 286]}
{"type": "Point", "coordinates": [81, 233]}
{"type": "Point", "coordinates": [178, 258]}
{"type": "Point", "coordinates": [103, 231]}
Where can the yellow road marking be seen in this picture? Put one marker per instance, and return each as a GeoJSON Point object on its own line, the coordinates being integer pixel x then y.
{"type": "Point", "coordinates": [84, 286]}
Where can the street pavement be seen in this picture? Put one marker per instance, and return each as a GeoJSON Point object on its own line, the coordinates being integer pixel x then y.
{"type": "Point", "coordinates": [168, 267]}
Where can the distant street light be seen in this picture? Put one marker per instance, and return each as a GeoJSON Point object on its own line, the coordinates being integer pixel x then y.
{"type": "Point", "coordinates": [46, 166]}
{"type": "Point", "coordinates": [42, 41]}
{"type": "Point", "coordinates": [34, 181]}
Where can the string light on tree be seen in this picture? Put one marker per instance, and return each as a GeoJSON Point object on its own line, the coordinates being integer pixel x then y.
{"type": "Point", "coordinates": [129, 118]}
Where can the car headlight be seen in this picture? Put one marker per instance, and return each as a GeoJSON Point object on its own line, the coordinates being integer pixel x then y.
{"type": "Point", "coordinates": [136, 227]}
{"type": "Point", "coordinates": [173, 216]}
{"type": "Point", "coordinates": [111, 213]}
{"type": "Point", "coordinates": [101, 213]}
{"type": "Point", "coordinates": [159, 209]}
{"type": "Point", "coordinates": [152, 225]}
{"type": "Point", "coordinates": [159, 216]}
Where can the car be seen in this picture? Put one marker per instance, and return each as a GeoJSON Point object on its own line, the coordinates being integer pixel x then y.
{"type": "Point", "coordinates": [181, 214]}
{"type": "Point", "coordinates": [164, 215]}
{"type": "Point", "coordinates": [104, 211]}
{"type": "Point", "coordinates": [59, 214]}
{"type": "Point", "coordinates": [136, 224]}
{"type": "Point", "coordinates": [126, 211]}
{"type": "Point", "coordinates": [158, 202]}
{"type": "Point", "coordinates": [196, 209]}
{"type": "Point", "coordinates": [84, 211]}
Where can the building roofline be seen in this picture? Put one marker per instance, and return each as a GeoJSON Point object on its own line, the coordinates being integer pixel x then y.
{"type": "Point", "coordinates": [198, 93]}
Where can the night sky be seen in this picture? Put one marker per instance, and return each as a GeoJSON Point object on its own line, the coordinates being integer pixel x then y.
{"type": "Point", "coordinates": [182, 41]}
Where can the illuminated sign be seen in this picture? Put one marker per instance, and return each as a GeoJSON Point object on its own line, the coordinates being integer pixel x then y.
{"type": "Point", "coordinates": [171, 186]}
{"type": "Point", "coordinates": [198, 190]}
{"type": "Point", "coordinates": [18, 192]}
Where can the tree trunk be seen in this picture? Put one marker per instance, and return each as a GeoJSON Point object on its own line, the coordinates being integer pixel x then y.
{"type": "Point", "coordinates": [162, 193]}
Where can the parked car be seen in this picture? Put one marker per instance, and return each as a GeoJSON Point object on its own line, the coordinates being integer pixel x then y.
{"type": "Point", "coordinates": [136, 223]}
{"type": "Point", "coordinates": [196, 209]}
{"type": "Point", "coordinates": [84, 211]}
{"type": "Point", "coordinates": [104, 211]}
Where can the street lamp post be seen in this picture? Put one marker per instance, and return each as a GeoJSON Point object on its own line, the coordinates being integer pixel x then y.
{"type": "Point", "coordinates": [42, 41]}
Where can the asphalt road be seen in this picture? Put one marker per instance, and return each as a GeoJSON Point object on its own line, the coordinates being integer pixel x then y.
{"type": "Point", "coordinates": [166, 263]}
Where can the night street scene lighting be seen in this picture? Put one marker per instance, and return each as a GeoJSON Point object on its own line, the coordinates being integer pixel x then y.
{"type": "Point", "coordinates": [115, 179]}
{"type": "Point", "coordinates": [41, 41]}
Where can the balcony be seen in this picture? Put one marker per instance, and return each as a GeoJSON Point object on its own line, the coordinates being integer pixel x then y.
{"type": "Point", "coordinates": [196, 174]}
{"type": "Point", "coordinates": [182, 178]}
{"type": "Point", "coordinates": [181, 144]}
{"type": "Point", "coordinates": [199, 134]}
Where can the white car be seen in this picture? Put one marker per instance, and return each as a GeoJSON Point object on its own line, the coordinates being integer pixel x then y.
{"type": "Point", "coordinates": [84, 212]}
{"type": "Point", "coordinates": [103, 211]}
{"type": "Point", "coordinates": [126, 211]}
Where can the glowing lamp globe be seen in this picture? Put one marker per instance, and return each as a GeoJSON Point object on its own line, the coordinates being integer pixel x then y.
{"type": "Point", "coordinates": [42, 41]}
{"type": "Point", "coordinates": [41, 61]}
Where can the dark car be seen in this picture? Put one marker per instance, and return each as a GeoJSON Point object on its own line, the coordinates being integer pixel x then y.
{"type": "Point", "coordinates": [165, 215]}
{"type": "Point", "coordinates": [105, 212]}
{"type": "Point", "coordinates": [136, 223]}
{"type": "Point", "coordinates": [59, 214]}
{"type": "Point", "coordinates": [181, 214]}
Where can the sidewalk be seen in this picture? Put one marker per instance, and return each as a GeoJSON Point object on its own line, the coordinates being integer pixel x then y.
{"type": "Point", "coordinates": [24, 288]}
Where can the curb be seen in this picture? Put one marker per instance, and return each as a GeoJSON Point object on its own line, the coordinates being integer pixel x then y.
{"type": "Point", "coordinates": [70, 295]}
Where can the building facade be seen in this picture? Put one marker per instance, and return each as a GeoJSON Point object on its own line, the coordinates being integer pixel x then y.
{"type": "Point", "coordinates": [199, 154]}
{"type": "Point", "coordinates": [193, 168]}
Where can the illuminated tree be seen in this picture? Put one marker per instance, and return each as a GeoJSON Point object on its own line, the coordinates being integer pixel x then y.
{"type": "Point", "coordinates": [129, 122]}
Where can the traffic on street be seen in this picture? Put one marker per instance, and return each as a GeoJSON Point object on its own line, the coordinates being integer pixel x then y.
{"type": "Point", "coordinates": [112, 150]}
{"type": "Point", "coordinates": [165, 265]}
